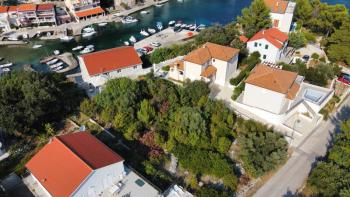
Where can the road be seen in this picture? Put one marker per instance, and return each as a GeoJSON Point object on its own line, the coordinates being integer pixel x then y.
{"type": "Point", "coordinates": [291, 177]}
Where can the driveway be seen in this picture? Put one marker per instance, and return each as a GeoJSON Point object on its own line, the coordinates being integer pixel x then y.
{"type": "Point", "coordinates": [291, 177]}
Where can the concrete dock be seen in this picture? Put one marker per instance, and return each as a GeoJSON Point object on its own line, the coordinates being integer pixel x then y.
{"type": "Point", "coordinates": [69, 59]}
{"type": "Point", "coordinates": [166, 37]}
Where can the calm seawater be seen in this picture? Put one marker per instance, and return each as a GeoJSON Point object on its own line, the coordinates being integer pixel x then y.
{"type": "Point", "coordinates": [114, 34]}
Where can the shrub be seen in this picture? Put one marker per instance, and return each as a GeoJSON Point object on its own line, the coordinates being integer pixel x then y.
{"type": "Point", "coordinates": [166, 68]}
{"type": "Point", "coordinates": [315, 56]}
{"type": "Point", "coordinates": [238, 90]}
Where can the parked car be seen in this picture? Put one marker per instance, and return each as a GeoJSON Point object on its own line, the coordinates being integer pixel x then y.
{"type": "Point", "coordinates": [306, 58]}
{"type": "Point", "coordinates": [345, 78]}
{"type": "Point", "coordinates": [156, 44]}
{"type": "Point", "coordinates": [148, 48]}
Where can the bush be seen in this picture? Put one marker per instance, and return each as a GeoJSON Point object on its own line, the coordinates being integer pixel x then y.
{"type": "Point", "coordinates": [251, 61]}
{"type": "Point", "coordinates": [238, 90]}
{"type": "Point", "coordinates": [297, 40]}
{"type": "Point", "coordinates": [166, 68]}
{"type": "Point", "coordinates": [315, 56]}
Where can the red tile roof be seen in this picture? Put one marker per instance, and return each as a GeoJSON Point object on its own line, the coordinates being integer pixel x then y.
{"type": "Point", "coordinates": [12, 9]}
{"type": "Point", "coordinates": [26, 7]}
{"type": "Point", "coordinates": [243, 39]}
{"type": "Point", "coordinates": [3, 9]}
{"type": "Point", "coordinates": [276, 6]}
{"type": "Point", "coordinates": [209, 71]}
{"type": "Point", "coordinates": [272, 35]}
{"type": "Point", "coordinates": [65, 162]}
{"type": "Point", "coordinates": [89, 12]}
{"type": "Point", "coordinates": [111, 60]}
{"type": "Point", "coordinates": [46, 6]}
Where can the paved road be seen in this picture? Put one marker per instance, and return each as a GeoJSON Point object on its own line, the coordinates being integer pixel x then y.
{"type": "Point", "coordinates": [292, 175]}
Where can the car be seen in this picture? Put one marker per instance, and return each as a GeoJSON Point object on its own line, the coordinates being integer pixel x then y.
{"type": "Point", "coordinates": [306, 58]}
{"type": "Point", "coordinates": [148, 48]}
{"type": "Point", "coordinates": [156, 44]}
{"type": "Point", "coordinates": [345, 78]}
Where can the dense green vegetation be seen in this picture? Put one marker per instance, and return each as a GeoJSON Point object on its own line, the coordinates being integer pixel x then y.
{"type": "Point", "coordinates": [160, 115]}
{"type": "Point", "coordinates": [331, 177]}
{"type": "Point", "coordinates": [29, 100]}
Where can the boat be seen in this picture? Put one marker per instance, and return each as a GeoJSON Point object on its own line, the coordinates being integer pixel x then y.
{"type": "Point", "coordinates": [56, 65]}
{"type": "Point", "coordinates": [6, 70]}
{"type": "Point", "coordinates": [200, 27]}
{"type": "Point", "coordinates": [52, 61]}
{"type": "Point", "coordinates": [57, 69]}
{"type": "Point", "coordinates": [144, 33]}
{"type": "Point", "coordinates": [37, 46]}
{"type": "Point", "coordinates": [90, 46]}
{"type": "Point", "coordinates": [159, 26]}
{"type": "Point", "coordinates": [126, 43]}
{"type": "Point", "coordinates": [129, 19]}
{"type": "Point", "coordinates": [87, 49]}
{"type": "Point", "coordinates": [6, 65]}
{"type": "Point", "coordinates": [132, 39]}
{"type": "Point", "coordinates": [151, 31]}
{"type": "Point", "coordinates": [159, 4]}
{"type": "Point", "coordinates": [178, 24]}
{"type": "Point", "coordinates": [171, 23]}
{"type": "Point", "coordinates": [144, 12]}
{"type": "Point", "coordinates": [183, 26]}
{"type": "Point", "coordinates": [88, 29]}
{"type": "Point", "coordinates": [88, 32]}
{"type": "Point", "coordinates": [12, 38]}
{"type": "Point", "coordinates": [193, 27]}
{"type": "Point", "coordinates": [102, 24]}
{"type": "Point", "coordinates": [66, 38]}
{"type": "Point", "coordinates": [77, 48]}
{"type": "Point", "coordinates": [56, 52]}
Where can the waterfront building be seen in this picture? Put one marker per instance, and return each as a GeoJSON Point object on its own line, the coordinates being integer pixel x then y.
{"type": "Point", "coordinates": [46, 14]}
{"type": "Point", "coordinates": [84, 9]}
{"type": "Point", "coordinates": [281, 12]}
{"type": "Point", "coordinates": [78, 164]}
{"type": "Point", "coordinates": [62, 16]}
{"type": "Point", "coordinates": [270, 43]}
{"type": "Point", "coordinates": [210, 62]}
{"type": "Point", "coordinates": [128, 3]}
{"type": "Point", "coordinates": [4, 19]}
{"type": "Point", "coordinates": [12, 15]}
{"type": "Point", "coordinates": [26, 14]}
{"type": "Point", "coordinates": [97, 68]}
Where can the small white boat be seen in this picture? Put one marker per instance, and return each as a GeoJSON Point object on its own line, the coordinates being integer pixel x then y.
{"type": "Point", "coordinates": [66, 38]}
{"type": "Point", "coordinates": [193, 27]}
{"type": "Point", "coordinates": [56, 65]}
{"type": "Point", "coordinates": [159, 26]}
{"type": "Point", "coordinates": [132, 39]}
{"type": "Point", "coordinates": [52, 61]}
{"type": "Point", "coordinates": [151, 31]}
{"type": "Point", "coordinates": [37, 46]}
{"type": "Point", "coordinates": [159, 5]}
{"type": "Point", "coordinates": [102, 24]}
{"type": "Point", "coordinates": [126, 43]}
{"type": "Point", "coordinates": [88, 29]}
{"type": "Point", "coordinates": [200, 27]}
{"type": "Point", "coordinates": [183, 26]}
{"type": "Point", "coordinates": [12, 38]}
{"type": "Point", "coordinates": [144, 12]}
{"type": "Point", "coordinates": [6, 70]}
{"type": "Point", "coordinates": [178, 24]}
{"type": "Point", "coordinates": [171, 23]}
{"type": "Point", "coordinates": [87, 50]}
{"type": "Point", "coordinates": [144, 33]}
{"type": "Point", "coordinates": [6, 65]}
{"type": "Point", "coordinates": [88, 34]}
{"type": "Point", "coordinates": [56, 52]}
{"type": "Point", "coordinates": [57, 69]}
{"type": "Point", "coordinates": [77, 48]}
{"type": "Point", "coordinates": [129, 19]}
{"type": "Point", "coordinates": [90, 46]}
{"type": "Point", "coordinates": [25, 36]}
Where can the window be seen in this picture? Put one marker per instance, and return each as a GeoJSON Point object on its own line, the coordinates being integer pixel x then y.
{"type": "Point", "coordinates": [275, 23]}
{"type": "Point", "coordinates": [255, 44]}
{"type": "Point", "coordinates": [118, 71]}
{"type": "Point", "coordinates": [213, 60]}
{"type": "Point", "coordinates": [264, 56]}
{"type": "Point", "coordinates": [259, 44]}
{"type": "Point", "coordinates": [135, 67]}
{"type": "Point", "coordinates": [266, 46]}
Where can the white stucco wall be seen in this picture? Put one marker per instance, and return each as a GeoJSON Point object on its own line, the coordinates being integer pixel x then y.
{"type": "Point", "coordinates": [193, 71]}
{"type": "Point", "coordinates": [175, 74]}
{"type": "Point", "coordinates": [264, 99]}
{"type": "Point", "coordinates": [99, 180]}
{"type": "Point", "coordinates": [272, 53]}
{"type": "Point", "coordinates": [43, 191]}
{"type": "Point", "coordinates": [285, 21]}
{"type": "Point", "coordinates": [99, 80]}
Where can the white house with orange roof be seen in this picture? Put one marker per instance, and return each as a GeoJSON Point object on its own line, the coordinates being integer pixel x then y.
{"type": "Point", "coordinates": [26, 14]}
{"type": "Point", "coordinates": [4, 19]}
{"type": "Point", "coordinates": [270, 43]}
{"type": "Point", "coordinates": [84, 9]}
{"type": "Point", "coordinates": [211, 62]}
{"type": "Point", "coordinates": [79, 165]}
{"type": "Point", "coordinates": [281, 13]}
{"type": "Point", "coordinates": [98, 67]}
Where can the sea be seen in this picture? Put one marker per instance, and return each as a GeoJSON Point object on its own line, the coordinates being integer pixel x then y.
{"type": "Point", "coordinates": [207, 12]}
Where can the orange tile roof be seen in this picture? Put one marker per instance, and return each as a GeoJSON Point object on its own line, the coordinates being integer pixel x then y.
{"type": "Point", "coordinates": [272, 35]}
{"type": "Point", "coordinates": [292, 92]}
{"type": "Point", "coordinates": [66, 161]}
{"type": "Point", "coordinates": [89, 12]}
{"type": "Point", "coordinates": [211, 50]}
{"type": "Point", "coordinates": [273, 79]}
{"type": "Point", "coordinates": [111, 60]}
{"type": "Point", "coordinates": [46, 6]}
{"type": "Point", "coordinates": [26, 7]}
{"type": "Point", "coordinates": [179, 64]}
{"type": "Point", "coordinates": [3, 9]}
{"type": "Point", "coordinates": [209, 71]}
{"type": "Point", "coordinates": [12, 9]}
{"type": "Point", "coordinates": [243, 39]}
{"type": "Point", "coordinates": [277, 6]}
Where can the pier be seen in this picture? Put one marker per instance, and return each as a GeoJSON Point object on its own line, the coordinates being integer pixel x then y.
{"type": "Point", "coordinates": [68, 59]}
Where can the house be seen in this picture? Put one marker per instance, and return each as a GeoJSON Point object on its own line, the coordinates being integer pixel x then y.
{"type": "Point", "coordinates": [270, 43]}
{"type": "Point", "coordinates": [128, 3]}
{"type": "Point", "coordinates": [62, 16]}
{"type": "Point", "coordinates": [12, 15]}
{"type": "Point", "coordinates": [281, 13]}
{"type": "Point", "coordinates": [211, 63]}
{"type": "Point", "coordinates": [4, 19]}
{"type": "Point", "coordinates": [83, 10]}
{"type": "Point", "coordinates": [78, 164]}
{"type": "Point", "coordinates": [46, 14]}
{"type": "Point", "coordinates": [26, 14]}
{"type": "Point", "coordinates": [96, 68]}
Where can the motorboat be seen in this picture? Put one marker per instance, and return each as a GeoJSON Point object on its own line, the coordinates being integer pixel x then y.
{"type": "Point", "coordinates": [151, 31]}
{"type": "Point", "coordinates": [129, 19]}
{"type": "Point", "coordinates": [88, 32]}
{"type": "Point", "coordinates": [57, 69]}
{"type": "Point", "coordinates": [144, 33]}
{"type": "Point", "coordinates": [200, 27]}
{"type": "Point", "coordinates": [12, 38]}
{"type": "Point", "coordinates": [56, 65]}
{"type": "Point", "coordinates": [159, 26]}
{"type": "Point", "coordinates": [178, 24]}
{"type": "Point", "coordinates": [88, 29]}
{"type": "Point", "coordinates": [126, 43]}
{"type": "Point", "coordinates": [25, 36]}
{"type": "Point", "coordinates": [171, 23]}
{"type": "Point", "coordinates": [193, 27]}
{"type": "Point", "coordinates": [102, 24]}
{"type": "Point", "coordinates": [37, 46]}
{"type": "Point", "coordinates": [159, 4]}
{"type": "Point", "coordinates": [52, 61]}
{"type": "Point", "coordinates": [77, 48]}
{"type": "Point", "coordinates": [144, 12]}
{"type": "Point", "coordinates": [87, 49]}
{"type": "Point", "coordinates": [90, 46]}
{"type": "Point", "coordinates": [56, 52]}
{"type": "Point", "coordinates": [132, 39]}
{"type": "Point", "coordinates": [6, 65]}
{"type": "Point", "coordinates": [183, 26]}
{"type": "Point", "coordinates": [66, 38]}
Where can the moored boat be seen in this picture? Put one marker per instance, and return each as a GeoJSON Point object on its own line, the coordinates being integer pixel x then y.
{"type": "Point", "coordinates": [56, 52]}
{"type": "Point", "coordinates": [102, 24]}
{"type": "Point", "coordinates": [36, 46]}
{"type": "Point", "coordinates": [126, 43]}
{"type": "Point", "coordinates": [77, 48]}
{"type": "Point", "coordinates": [66, 38]}
{"type": "Point", "coordinates": [56, 65]}
{"type": "Point", "coordinates": [171, 23]}
{"type": "Point", "coordinates": [52, 61]}
{"type": "Point", "coordinates": [6, 65]}
{"type": "Point", "coordinates": [151, 31]}
{"type": "Point", "coordinates": [144, 33]}
{"type": "Point", "coordinates": [88, 32]}
{"type": "Point", "coordinates": [132, 39]}
{"type": "Point", "coordinates": [144, 12]}
{"type": "Point", "coordinates": [159, 26]}
{"type": "Point", "coordinates": [57, 69]}
{"type": "Point", "coordinates": [129, 19]}
{"type": "Point", "coordinates": [87, 49]}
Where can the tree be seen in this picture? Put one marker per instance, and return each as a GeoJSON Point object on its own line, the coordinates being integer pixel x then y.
{"type": "Point", "coordinates": [29, 100]}
{"type": "Point", "coordinates": [254, 18]}
{"type": "Point", "coordinates": [210, 192]}
{"type": "Point", "coordinates": [215, 34]}
{"type": "Point", "coordinates": [303, 10]}
{"type": "Point", "coordinates": [193, 91]}
{"type": "Point", "coordinates": [339, 44]}
{"type": "Point", "coordinates": [146, 113]}
{"type": "Point", "coordinates": [297, 40]}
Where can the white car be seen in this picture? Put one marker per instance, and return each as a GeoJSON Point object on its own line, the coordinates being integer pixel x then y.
{"type": "Point", "coordinates": [156, 44]}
